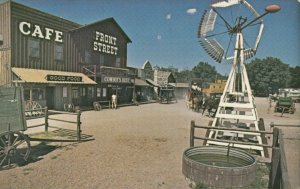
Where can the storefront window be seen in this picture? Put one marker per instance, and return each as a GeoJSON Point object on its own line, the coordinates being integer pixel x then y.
{"type": "Point", "coordinates": [65, 92]}
{"type": "Point", "coordinates": [59, 52]}
{"type": "Point", "coordinates": [26, 94]}
{"type": "Point", "coordinates": [90, 92]}
{"type": "Point", "coordinates": [38, 94]}
{"type": "Point", "coordinates": [87, 56]}
{"type": "Point", "coordinates": [75, 93]}
{"type": "Point", "coordinates": [82, 91]}
{"type": "Point", "coordinates": [34, 48]}
{"type": "Point", "coordinates": [118, 62]}
{"type": "Point", "coordinates": [104, 92]}
{"type": "Point", "coordinates": [98, 92]}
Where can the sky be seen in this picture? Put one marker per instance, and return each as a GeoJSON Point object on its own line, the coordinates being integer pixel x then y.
{"type": "Point", "coordinates": [164, 32]}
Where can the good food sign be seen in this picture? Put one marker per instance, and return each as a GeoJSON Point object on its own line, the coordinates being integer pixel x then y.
{"type": "Point", "coordinates": [64, 78]}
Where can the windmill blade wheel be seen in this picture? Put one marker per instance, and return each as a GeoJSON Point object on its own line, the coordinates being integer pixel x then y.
{"type": "Point", "coordinates": [14, 149]}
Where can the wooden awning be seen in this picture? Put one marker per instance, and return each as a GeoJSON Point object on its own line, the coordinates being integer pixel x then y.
{"type": "Point", "coordinates": [25, 75]}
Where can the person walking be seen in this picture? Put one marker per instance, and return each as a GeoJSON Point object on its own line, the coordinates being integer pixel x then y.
{"type": "Point", "coordinates": [114, 101]}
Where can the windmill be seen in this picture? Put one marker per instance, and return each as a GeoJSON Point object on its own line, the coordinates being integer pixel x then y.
{"type": "Point", "coordinates": [218, 27]}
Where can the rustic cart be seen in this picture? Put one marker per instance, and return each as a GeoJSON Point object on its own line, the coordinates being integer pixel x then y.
{"type": "Point", "coordinates": [14, 144]}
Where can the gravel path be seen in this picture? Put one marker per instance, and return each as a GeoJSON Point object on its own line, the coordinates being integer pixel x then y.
{"type": "Point", "coordinates": [136, 147]}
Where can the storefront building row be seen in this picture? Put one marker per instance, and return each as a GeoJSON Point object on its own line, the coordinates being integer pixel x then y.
{"type": "Point", "coordinates": [79, 64]}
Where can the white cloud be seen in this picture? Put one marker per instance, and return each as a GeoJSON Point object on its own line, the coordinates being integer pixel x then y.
{"type": "Point", "coordinates": [298, 1]}
{"type": "Point", "coordinates": [193, 10]}
{"type": "Point", "coordinates": [158, 37]}
{"type": "Point", "coordinates": [168, 17]}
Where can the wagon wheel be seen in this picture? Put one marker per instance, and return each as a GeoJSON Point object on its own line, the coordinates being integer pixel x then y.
{"type": "Point", "coordinates": [14, 148]}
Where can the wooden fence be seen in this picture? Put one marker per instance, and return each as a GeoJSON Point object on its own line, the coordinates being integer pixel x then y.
{"type": "Point", "coordinates": [48, 115]}
{"type": "Point", "coordinates": [278, 177]}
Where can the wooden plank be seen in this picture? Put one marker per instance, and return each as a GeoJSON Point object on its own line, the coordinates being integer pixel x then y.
{"type": "Point", "coordinates": [236, 105]}
{"type": "Point", "coordinates": [261, 127]}
{"type": "Point", "coordinates": [274, 178]}
{"type": "Point", "coordinates": [192, 133]}
{"type": "Point", "coordinates": [232, 129]}
{"type": "Point", "coordinates": [283, 164]}
{"type": "Point", "coordinates": [226, 142]}
{"type": "Point", "coordinates": [234, 116]}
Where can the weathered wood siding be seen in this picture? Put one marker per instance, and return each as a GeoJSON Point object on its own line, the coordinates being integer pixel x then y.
{"type": "Point", "coordinates": [20, 45]}
{"type": "Point", "coordinates": [85, 37]}
{"type": "Point", "coordinates": [5, 51]}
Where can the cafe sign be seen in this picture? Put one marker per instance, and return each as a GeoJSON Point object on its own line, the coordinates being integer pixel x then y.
{"type": "Point", "coordinates": [64, 78]}
{"type": "Point", "coordinates": [34, 30]}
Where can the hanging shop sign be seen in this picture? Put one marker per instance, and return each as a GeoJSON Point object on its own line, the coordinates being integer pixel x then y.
{"type": "Point", "coordinates": [105, 43]}
{"type": "Point", "coordinates": [106, 79]}
{"type": "Point", "coordinates": [35, 30]}
{"type": "Point", "coordinates": [64, 78]}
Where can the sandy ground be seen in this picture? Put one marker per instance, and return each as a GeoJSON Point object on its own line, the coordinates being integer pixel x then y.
{"type": "Point", "coordinates": [136, 147]}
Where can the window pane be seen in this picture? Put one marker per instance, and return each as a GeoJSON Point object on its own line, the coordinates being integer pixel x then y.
{"type": "Point", "coordinates": [90, 92]}
{"type": "Point", "coordinates": [98, 92]}
{"type": "Point", "coordinates": [104, 92]}
{"type": "Point", "coordinates": [26, 94]}
{"type": "Point", "coordinates": [118, 62]}
{"type": "Point", "coordinates": [37, 94]}
{"type": "Point", "coordinates": [59, 52]}
{"type": "Point", "coordinates": [34, 48]}
{"type": "Point", "coordinates": [65, 92]}
{"type": "Point", "coordinates": [75, 93]}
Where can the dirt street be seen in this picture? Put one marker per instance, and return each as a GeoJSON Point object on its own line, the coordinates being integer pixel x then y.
{"type": "Point", "coordinates": [135, 147]}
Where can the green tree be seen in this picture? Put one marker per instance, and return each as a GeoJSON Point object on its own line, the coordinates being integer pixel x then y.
{"type": "Point", "coordinates": [267, 75]}
{"type": "Point", "coordinates": [205, 72]}
{"type": "Point", "coordinates": [184, 76]}
{"type": "Point", "coordinates": [294, 77]}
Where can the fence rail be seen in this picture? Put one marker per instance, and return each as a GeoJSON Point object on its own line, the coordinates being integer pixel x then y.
{"type": "Point", "coordinates": [48, 113]}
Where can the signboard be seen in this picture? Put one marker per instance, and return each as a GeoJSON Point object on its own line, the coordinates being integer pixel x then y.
{"type": "Point", "coordinates": [106, 79]}
{"type": "Point", "coordinates": [35, 30]}
{"type": "Point", "coordinates": [105, 43]}
{"type": "Point", "coordinates": [64, 78]}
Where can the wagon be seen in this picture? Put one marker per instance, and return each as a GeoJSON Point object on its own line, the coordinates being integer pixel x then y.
{"type": "Point", "coordinates": [285, 105]}
{"type": "Point", "coordinates": [166, 95]}
{"type": "Point", "coordinates": [14, 145]}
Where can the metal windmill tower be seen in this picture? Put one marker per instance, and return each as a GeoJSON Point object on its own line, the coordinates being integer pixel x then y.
{"type": "Point", "coordinates": [225, 21]}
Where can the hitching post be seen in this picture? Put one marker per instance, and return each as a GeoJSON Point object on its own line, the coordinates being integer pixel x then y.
{"type": "Point", "coordinates": [78, 126]}
{"type": "Point", "coordinates": [46, 119]}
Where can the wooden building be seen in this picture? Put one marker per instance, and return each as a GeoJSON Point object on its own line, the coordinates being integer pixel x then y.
{"type": "Point", "coordinates": [80, 64]}
{"type": "Point", "coordinates": [214, 89]}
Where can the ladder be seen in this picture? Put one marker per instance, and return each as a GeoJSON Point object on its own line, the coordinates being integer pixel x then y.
{"type": "Point", "coordinates": [237, 107]}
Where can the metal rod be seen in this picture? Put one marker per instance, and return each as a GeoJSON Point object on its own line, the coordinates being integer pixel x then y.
{"type": "Point", "coordinates": [254, 20]}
